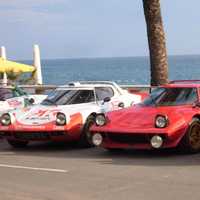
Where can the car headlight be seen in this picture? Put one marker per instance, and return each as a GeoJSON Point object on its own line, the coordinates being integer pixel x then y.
{"type": "Point", "coordinates": [161, 121]}
{"type": "Point", "coordinates": [156, 141]}
{"type": "Point", "coordinates": [100, 120]}
{"type": "Point", "coordinates": [97, 139]}
{"type": "Point", "coordinates": [5, 119]}
{"type": "Point", "coordinates": [60, 119]}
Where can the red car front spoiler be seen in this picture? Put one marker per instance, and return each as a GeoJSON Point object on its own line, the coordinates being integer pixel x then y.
{"type": "Point", "coordinates": [171, 137]}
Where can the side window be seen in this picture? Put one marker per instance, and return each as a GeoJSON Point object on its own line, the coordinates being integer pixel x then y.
{"type": "Point", "coordinates": [103, 92]}
{"type": "Point", "coordinates": [83, 96]}
{"type": "Point", "coordinates": [191, 96]}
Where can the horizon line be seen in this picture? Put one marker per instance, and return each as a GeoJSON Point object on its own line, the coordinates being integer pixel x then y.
{"type": "Point", "coordinates": [105, 57]}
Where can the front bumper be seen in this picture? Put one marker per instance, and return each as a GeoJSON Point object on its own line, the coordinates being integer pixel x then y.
{"type": "Point", "coordinates": [41, 133]}
{"type": "Point", "coordinates": [140, 140]}
{"type": "Point", "coordinates": [37, 136]}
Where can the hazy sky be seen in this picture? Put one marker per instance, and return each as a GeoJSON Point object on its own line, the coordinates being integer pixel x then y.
{"type": "Point", "coordinates": [94, 28]}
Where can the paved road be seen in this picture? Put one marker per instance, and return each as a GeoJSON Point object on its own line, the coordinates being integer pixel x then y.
{"type": "Point", "coordinates": [48, 171]}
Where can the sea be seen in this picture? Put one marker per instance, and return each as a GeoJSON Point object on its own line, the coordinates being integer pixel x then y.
{"type": "Point", "coordinates": [123, 70]}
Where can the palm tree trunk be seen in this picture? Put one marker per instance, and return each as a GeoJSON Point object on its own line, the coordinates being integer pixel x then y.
{"type": "Point", "coordinates": [156, 40]}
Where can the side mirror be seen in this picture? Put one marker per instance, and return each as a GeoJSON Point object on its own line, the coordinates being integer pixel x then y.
{"type": "Point", "coordinates": [121, 105]}
{"type": "Point", "coordinates": [106, 99]}
{"type": "Point", "coordinates": [31, 101]}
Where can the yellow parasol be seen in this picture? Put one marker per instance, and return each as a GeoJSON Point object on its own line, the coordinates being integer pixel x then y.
{"type": "Point", "coordinates": [7, 66]}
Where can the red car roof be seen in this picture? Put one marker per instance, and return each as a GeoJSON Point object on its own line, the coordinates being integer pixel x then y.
{"type": "Point", "coordinates": [183, 83]}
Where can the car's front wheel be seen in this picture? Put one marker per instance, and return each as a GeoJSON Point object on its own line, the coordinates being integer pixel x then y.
{"type": "Point", "coordinates": [86, 138]}
{"type": "Point", "coordinates": [191, 140]}
{"type": "Point", "coordinates": [17, 143]}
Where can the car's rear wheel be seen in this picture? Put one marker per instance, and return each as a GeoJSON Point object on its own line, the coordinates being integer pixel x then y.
{"type": "Point", "coordinates": [17, 143]}
{"type": "Point", "coordinates": [86, 137]}
{"type": "Point", "coordinates": [191, 140]}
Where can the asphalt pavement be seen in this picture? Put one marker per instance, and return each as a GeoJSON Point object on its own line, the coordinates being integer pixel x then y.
{"type": "Point", "coordinates": [47, 171]}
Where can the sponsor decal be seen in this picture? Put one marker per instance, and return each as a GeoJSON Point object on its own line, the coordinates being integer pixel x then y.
{"type": "Point", "coordinates": [42, 115]}
{"type": "Point", "coordinates": [45, 118]}
{"type": "Point", "coordinates": [14, 103]}
{"type": "Point", "coordinates": [21, 127]}
{"type": "Point", "coordinates": [25, 109]}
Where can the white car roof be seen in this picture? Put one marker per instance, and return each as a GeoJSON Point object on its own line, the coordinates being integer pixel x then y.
{"type": "Point", "coordinates": [74, 88]}
{"type": "Point", "coordinates": [92, 84]}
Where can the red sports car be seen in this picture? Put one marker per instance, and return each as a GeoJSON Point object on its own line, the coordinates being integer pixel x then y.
{"type": "Point", "coordinates": [168, 118]}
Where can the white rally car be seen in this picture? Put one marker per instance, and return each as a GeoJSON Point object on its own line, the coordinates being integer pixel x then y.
{"type": "Point", "coordinates": [14, 97]}
{"type": "Point", "coordinates": [66, 114]}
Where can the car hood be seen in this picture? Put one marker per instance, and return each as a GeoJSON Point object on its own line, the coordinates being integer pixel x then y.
{"type": "Point", "coordinates": [142, 117]}
{"type": "Point", "coordinates": [34, 115]}
{"type": "Point", "coordinates": [41, 114]}
{"type": "Point", "coordinates": [37, 98]}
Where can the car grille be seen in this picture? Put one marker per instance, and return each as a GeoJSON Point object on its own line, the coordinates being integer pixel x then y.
{"type": "Point", "coordinates": [36, 135]}
{"type": "Point", "coordinates": [129, 138]}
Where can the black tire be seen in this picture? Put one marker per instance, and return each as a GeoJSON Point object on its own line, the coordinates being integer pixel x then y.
{"type": "Point", "coordinates": [86, 139]}
{"type": "Point", "coordinates": [190, 143]}
{"type": "Point", "coordinates": [17, 143]}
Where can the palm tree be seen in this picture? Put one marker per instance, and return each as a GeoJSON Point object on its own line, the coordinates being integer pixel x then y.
{"type": "Point", "coordinates": [156, 40]}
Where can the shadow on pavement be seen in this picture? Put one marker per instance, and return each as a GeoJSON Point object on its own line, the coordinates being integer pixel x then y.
{"type": "Point", "coordinates": [166, 157]}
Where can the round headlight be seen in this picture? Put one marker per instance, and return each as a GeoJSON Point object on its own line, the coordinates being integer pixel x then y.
{"type": "Point", "coordinates": [100, 120]}
{"type": "Point", "coordinates": [97, 139]}
{"type": "Point", "coordinates": [156, 141]}
{"type": "Point", "coordinates": [161, 121]}
{"type": "Point", "coordinates": [60, 119]}
{"type": "Point", "coordinates": [5, 119]}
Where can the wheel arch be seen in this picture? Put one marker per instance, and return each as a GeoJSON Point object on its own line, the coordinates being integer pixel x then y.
{"type": "Point", "coordinates": [92, 115]}
{"type": "Point", "coordinates": [83, 137]}
{"type": "Point", "coordinates": [195, 116]}
{"type": "Point", "coordinates": [184, 143]}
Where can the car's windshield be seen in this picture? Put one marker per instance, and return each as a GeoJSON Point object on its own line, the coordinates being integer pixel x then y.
{"type": "Point", "coordinates": [66, 97]}
{"type": "Point", "coordinates": [171, 97]}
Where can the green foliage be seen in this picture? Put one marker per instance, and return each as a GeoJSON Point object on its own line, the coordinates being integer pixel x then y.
{"type": "Point", "coordinates": [18, 78]}
{"type": "Point", "coordinates": [12, 76]}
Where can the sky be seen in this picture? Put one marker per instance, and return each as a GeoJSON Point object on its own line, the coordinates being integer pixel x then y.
{"type": "Point", "coordinates": [94, 28]}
